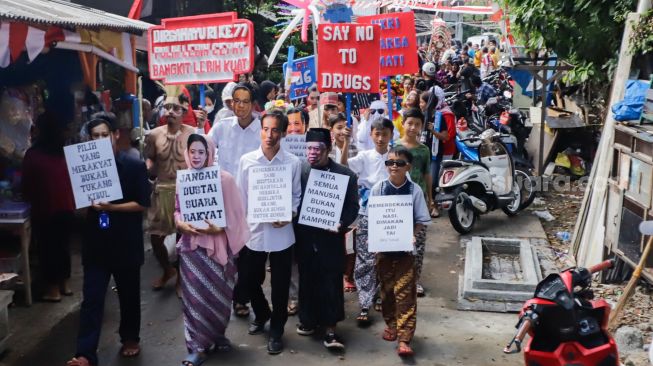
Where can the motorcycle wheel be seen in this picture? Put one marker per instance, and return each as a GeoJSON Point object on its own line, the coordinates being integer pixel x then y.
{"type": "Point", "coordinates": [526, 187]}
{"type": "Point", "coordinates": [461, 217]}
{"type": "Point", "coordinates": [515, 206]}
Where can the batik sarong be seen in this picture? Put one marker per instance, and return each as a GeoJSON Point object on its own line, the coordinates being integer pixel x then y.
{"type": "Point", "coordinates": [207, 290]}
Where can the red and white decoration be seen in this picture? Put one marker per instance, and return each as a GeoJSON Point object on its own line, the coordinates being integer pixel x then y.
{"type": "Point", "coordinates": [17, 37]}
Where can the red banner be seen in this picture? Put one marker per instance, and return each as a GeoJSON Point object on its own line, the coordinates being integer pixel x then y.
{"type": "Point", "coordinates": [209, 48]}
{"type": "Point", "coordinates": [398, 42]}
{"type": "Point", "coordinates": [345, 57]}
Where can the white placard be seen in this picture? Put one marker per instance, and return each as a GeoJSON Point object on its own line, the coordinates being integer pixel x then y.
{"type": "Point", "coordinates": [390, 223]}
{"type": "Point", "coordinates": [269, 196]}
{"type": "Point", "coordinates": [323, 199]}
{"type": "Point", "coordinates": [93, 173]}
{"type": "Point", "coordinates": [200, 197]}
{"type": "Point", "coordinates": [296, 145]}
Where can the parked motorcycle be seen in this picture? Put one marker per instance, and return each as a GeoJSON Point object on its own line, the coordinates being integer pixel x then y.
{"type": "Point", "coordinates": [469, 188]}
{"type": "Point", "coordinates": [565, 324]}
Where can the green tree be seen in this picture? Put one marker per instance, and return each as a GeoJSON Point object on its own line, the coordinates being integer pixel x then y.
{"type": "Point", "coordinates": [586, 33]}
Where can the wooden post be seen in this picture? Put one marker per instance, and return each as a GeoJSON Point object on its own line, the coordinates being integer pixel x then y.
{"type": "Point", "coordinates": [596, 191]}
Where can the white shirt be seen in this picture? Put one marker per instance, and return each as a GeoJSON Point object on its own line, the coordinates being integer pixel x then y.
{"type": "Point", "coordinates": [233, 141]}
{"type": "Point", "coordinates": [266, 238]}
{"type": "Point", "coordinates": [222, 114]}
{"type": "Point", "coordinates": [363, 135]}
{"type": "Point", "coordinates": [369, 165]}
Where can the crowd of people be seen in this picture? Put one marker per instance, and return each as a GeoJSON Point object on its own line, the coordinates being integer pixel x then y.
{"type": "Point", "coordinates": [223, 269]}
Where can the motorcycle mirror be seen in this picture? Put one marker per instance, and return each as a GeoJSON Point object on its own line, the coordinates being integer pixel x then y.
{"type": "Point", "coordinates": [507, 94]}
{"type": "Point", "coordinates": [646, 227]}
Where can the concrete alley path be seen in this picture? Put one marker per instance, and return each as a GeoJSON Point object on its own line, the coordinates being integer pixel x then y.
{"type": "Point", "coordinates": [445, 336]}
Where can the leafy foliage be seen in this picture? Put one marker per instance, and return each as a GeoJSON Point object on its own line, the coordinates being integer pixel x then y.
{"type": "Point", "coordinates": [642, 41]}
{"type": "Point", "coordinates": [586, 33]}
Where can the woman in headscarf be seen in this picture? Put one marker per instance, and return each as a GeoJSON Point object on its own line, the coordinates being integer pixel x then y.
{"type": "Point", "coordinates": [207, 262]}
{"type": "Point", "coordinates": [266, 92]}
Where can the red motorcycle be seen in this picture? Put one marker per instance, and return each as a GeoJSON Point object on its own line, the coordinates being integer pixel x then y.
{"type": "Point", "coordinates": [567, 327]}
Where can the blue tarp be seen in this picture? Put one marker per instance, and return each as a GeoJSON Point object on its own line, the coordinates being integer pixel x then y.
{"type": "Point", "coordinates": [630, 108]}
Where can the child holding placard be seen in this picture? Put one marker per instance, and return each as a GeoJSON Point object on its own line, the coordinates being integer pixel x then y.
{"type": "Point", "coordinates": [369, 166]}
{"type": "Point", "coordinates": [397, 269]}
{"type": "Point", "coordinates": [420, 174]}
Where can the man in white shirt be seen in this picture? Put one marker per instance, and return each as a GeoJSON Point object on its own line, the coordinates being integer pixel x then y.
{"type": "Point", "coordinates": [270, 240]}
{"type": "Point", "coordinates": [234, 137]}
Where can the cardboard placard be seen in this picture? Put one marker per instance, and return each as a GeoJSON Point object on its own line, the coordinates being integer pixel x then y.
{"type": "Point", "coordinates": [347, 57]}
{"type": "Point", "coordinates": [93, 173]}
{"type": "Point", "coordinates": [323, 199]}
{"type": "Point", "coordinates": [305, 76]}
{"type": "Point", "coordinates": [398, 42]}
{"type": "Point", "coordinates": [269, 196]}
{"type": "Point", "coordinates": [296, 145]}
{"type": "Point", "coordinates": [390, 223]}
{"type": "Point", "coordinates": [200, 197]}
{"type": "Point", "coordinates": [210, 48]}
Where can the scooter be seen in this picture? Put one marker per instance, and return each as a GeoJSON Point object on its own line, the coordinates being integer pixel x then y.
{"type": "Point", "coordinates": [469, 188]}
{"type": "Point", "coordinates": [566, 326]}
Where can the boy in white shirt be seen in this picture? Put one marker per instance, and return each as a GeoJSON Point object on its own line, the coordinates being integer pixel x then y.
{"type": "Point", "coordinates": [369, 165]}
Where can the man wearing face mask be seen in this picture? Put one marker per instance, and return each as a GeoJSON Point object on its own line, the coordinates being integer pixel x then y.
{"type": "Point", "coordinates": [164, 153]}
{"type": "Point", "coordinates": [321, 252]}
{"type": "Point", "coordinates": [377, 111]}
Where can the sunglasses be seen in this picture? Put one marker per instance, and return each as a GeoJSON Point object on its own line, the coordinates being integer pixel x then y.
{"type": "Point", "coordinates": [379, 111]}
{"type": "Point", "coordinates": [175, 108]}
{"type": "Point", "coordinates": [400, 163]}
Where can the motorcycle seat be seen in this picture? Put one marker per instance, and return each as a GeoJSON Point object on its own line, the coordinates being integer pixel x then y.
{"type": "Point", "coordinates": [459, 163]}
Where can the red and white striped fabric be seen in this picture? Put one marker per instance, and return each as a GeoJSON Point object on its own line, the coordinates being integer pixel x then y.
{"type": "Point", "coordinates": [16, 37]}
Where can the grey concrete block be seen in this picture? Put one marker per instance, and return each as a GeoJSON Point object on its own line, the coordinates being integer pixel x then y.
{"type": "Point", "coordinates": [489, 294]}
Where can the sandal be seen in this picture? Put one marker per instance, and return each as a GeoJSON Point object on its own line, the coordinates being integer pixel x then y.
{"type": "Point", "coordinates": [292, 308]}
{"type": "Point", "coordinates": [404, 350]}
{"type": "Point", "coordinates": [378, 305]}
{"type": "Point", "coordinates": [130, 349]}
{"type": "Point", "coordinates": [79, 361]}
{"type": "Point", "coordinates": [349, 286]}
{"type": "Point", "coordinates": [241, 310]}
{"type": "Point", "coordinates": [434, 212]}
{"type": "Point", "coordinates": [159, 283]}
{"type": "Point", "coordinates": [194, 359]}
{"type": "Point", "coordinates": [390, 335]}
{"type": "Point", "coordinates": [363, 318]}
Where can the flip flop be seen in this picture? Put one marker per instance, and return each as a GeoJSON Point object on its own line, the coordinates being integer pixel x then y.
{"type": "Point", "coordinates": [241, 310]}
{"type": "Point", "coordinates": [159, 283]}
{"type": "Point", "coordinates": [131, 349]}
{"type": "Point", "coordinates": [79, 361]}
{"type": "Point", "coordinates": [404, 350]}
{"type": "Point", "coordinates": [50, 299]}
{"type": "Point", "coordinates": [363, 318]}
{"type": "Point", "coordinates": [293, 307]}
{"type": "Point", "coordinates": [349, 286]}
{"type": "Point", "coordinates": [389, 335]}
{"type": "Point", "coordinates": [194, 359]}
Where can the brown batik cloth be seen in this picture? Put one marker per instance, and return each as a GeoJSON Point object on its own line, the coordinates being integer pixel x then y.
{"type": "Point", "coordinates": [398, 293]}
{"type": "Point", "coordinates": [161, 214]}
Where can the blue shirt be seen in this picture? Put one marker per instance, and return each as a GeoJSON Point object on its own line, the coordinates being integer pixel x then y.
{"type": "Point", "coordinates": [485, 92]}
